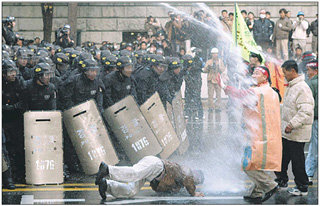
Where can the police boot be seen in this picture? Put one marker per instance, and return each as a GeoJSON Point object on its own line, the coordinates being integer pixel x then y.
{"type": "Point", "coordinates": [66, 172]}
{"type": "Point", "coordinates": [7, 180]}
{"type": "Point", "coordinates": [103, 171]}
{"type": "Point", "coordinates": [103, 188]}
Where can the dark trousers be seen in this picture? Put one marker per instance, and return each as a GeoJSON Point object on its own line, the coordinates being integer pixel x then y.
{"type": "Point", "coordinates": [293, 151]}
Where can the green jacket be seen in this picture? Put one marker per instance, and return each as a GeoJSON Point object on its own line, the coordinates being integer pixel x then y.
{"type": "Point", "coordinates": [313, 84]}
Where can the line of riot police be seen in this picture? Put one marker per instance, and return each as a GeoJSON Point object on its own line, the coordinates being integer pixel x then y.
{"type": "Point", "coordinates": [55, 78]}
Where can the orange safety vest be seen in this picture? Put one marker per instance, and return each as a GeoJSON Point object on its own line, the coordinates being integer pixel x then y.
{"type": "Point", "coordinates": [277, 77]}
{"type": "Point", "coordinates": [263, 126]}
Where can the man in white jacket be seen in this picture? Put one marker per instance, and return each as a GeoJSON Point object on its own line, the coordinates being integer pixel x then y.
{"type": "Point", "coordinates": [299, 34]}
{"type": "Point", "coordinates": [296, 124]}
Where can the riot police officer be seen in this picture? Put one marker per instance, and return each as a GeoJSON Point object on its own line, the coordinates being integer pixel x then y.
{"type": "Point", "coordinates": [139, 55]}
{"type": "Point", "coordinates": [84, 86]}
{"type": "Point", "coordinates": [175, 75]}
{"type": "Point", "coordinates": [108, 64]}
{"type": "Point", "coordinates": [40, 93]}
{"type": "Point", "coordinates": [148, 81]}
{"type": "Point", "coordinates": [193, 105]}
{"type": "Point", "coordinates": [12, 119]}
{"type": "Point", "coordinates": [22, 60]}
{"type": "Point", "coordinates": [119, 84]}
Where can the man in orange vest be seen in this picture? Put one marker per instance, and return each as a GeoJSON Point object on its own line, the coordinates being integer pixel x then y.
{"type": "Point", "coordinates": [261, 113]}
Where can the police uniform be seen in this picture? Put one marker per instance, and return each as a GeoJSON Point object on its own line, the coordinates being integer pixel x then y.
{"type": "Point", "coordinates": [79, 89]}
{"type": "Point", "coordinates": [12, 123]}
{"type": "Point", "coordinates": [193, 105]}
{"type": "Point", "coordinates": [148, 83]}
{"type": "Point", "coordinates": [117, 87]}
{"type": "Point", "coordinates": [39, 97]}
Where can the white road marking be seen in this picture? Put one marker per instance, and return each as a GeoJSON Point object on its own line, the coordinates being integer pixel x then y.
{"type": "Point", "coordinates": [29, 200]}
{"type": "Point", "coordinates": [152, 199]}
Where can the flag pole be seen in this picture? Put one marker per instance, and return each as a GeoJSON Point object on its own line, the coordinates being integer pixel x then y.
{"type": "Point", "coordinates": [236, 32]}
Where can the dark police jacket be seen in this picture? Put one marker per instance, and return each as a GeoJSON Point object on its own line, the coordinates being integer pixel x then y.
{"type": "Point", "coordinates": [25, 72]}
{"type": "Point", "coordinates": [117, 87]}
{"type": "Point", "coordinates": [148, 83]}
{"type": "Point", "coordinates": [37, 97]}
{"type": "Point", "coordinates": [78, 89]}
{"type": "Point", "coordinates": [12, 100]}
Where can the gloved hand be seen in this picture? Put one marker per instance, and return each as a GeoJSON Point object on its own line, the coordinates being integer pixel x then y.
{"type": "Point", "coordinates": [8, 107]}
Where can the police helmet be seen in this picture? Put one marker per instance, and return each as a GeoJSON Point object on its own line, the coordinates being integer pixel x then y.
{"type": "Point", "coordinates": [139, 53]}
{"type": "Point", "coordinates": [174, 63]}
{"type": "Point", "coordinates": [115, 53]}
{"type": "Point", "coordinates": [48, 46]}
{"type": "Point", "coordinates": [105, 53]}
{"type": "Point", "coordinates": [156, 59]}
{"type": "Point", "coordinates": [109, 61]}
{"type": "Point", "coordinates": [187, 60]}
{"type": "Point", "coordinates": [41, 68]}
{"type": "Point", "coordinates": [89, 64]}
{"type": "Point", "coordinates": [5, 55]}
{"type": "Point", "coordinates": [33, 48]}
{"type": "Point", "coordinates": [125, 52]}
{"type": "Point", "coordinates": [8, 65]}
{"type": "Point", "coordinates": [61, 58]}
{"type": "Point", "coordinates": [22, 53]}
{"type": "Point", "coordinates": [67, 51]}
{"type": "Point", "coordinates": [123, 61]}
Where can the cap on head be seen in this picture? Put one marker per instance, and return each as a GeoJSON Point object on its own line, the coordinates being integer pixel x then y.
{"type": "Point", "coordinates": [300, 13]}
{"type": "Point", "coordinates": [214, 51]}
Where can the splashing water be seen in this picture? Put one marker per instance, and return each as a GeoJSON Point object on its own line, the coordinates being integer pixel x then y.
{"type": "Point", "coordinates": [221, 163]}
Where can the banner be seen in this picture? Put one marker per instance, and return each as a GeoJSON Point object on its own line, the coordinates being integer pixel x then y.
{"type": "Point", "coordinates": [243, 37]}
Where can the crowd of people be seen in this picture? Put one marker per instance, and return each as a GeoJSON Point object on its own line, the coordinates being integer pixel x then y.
{"type": "Point", "coordinates": [39, 75]}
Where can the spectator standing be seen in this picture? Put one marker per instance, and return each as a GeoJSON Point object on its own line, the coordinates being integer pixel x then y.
{"type": "Point", "coordinates": [152, 25]}
{"type": "Point", "coordinates": [314, 30]}
{"type": "Point", "coordinates": [298, 55]}
{"type": "Point", "coordinates": [268, 16]}
{"type": "Point", "coordinates": [172, 28]}
{"type": "Point", "coordinates": [214, 66]}
{"type": "Point", "coordinates": [262, 30]}
{"type": "Point", "coordinates": [244, 15]}
{"type": "Point", "coordinates": [281, 33]}
{"type": "Point", "coordinates": [312, 158]}
{"type": "Point", "coordinates": [225, 21]}
{"type": "Point", "coordinates": [250, 21]}
{"type": "Point", "coordinates": [299, 34]}
{"type": "Point", "coordinates": [296, 123]}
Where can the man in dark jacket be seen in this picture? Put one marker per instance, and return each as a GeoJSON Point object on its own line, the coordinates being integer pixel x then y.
{"type": "Point", "coordinates": [262, 30]}
{"type": "Point", "coordinates": [164, 176]}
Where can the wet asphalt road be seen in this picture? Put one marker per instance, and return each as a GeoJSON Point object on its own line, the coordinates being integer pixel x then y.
{"type": "Point", "coordinates": [80, 189]}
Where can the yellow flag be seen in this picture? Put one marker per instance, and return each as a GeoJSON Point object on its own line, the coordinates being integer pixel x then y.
{"type": "Point", "coordinates": [243, 37]}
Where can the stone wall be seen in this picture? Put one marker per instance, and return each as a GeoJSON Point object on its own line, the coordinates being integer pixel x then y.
{"type": "Point", "coordinates": [106, 21]}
